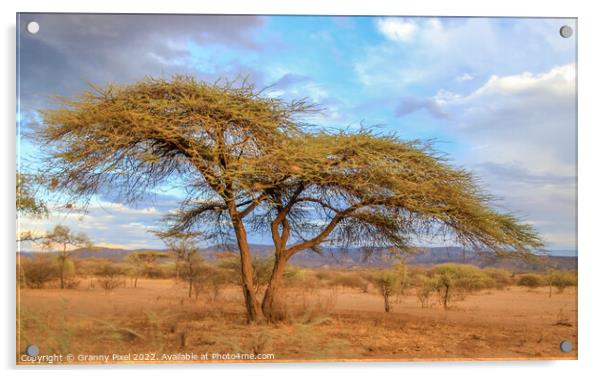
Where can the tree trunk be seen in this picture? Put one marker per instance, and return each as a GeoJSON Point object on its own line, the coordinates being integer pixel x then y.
{"type": "Point", "coordinates": [246, 267]}
{"type": "Point", "coordinates": [63, 260]}
{"type": "Point", "coordinates": [62, 273]}
{"type": "Point", "coordinates": [446, 297]}
{"type": "Point", "coordinates": [267, 305]}
{"type": "Point", "coordinates": [387, 304]}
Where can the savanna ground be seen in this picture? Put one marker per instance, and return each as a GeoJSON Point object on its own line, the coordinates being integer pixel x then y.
{"type": "Point", "coordinates": [323, 323]}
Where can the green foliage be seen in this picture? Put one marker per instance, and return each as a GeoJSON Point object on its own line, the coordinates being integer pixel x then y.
{"type": "Point", "coordinates": [27, 203]}
{"type": "Point", "coordinates": [501, 277]}
{"type": "Point", "coordinates": [530, 280]}
{"type": "Point", "coordinates": [454, 281]}
{"type": "Point", "coordinates": [262, 269]}
{"type": "Point", "coordinates": [386, 281]}
{"type": "Point", "coordinates": [562, 280]}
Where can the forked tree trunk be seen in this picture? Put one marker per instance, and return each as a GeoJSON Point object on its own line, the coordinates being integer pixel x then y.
{"type": "Point", "coordinates": [271, 291]}
{"type": "Point", "coordinates": [246, 267]}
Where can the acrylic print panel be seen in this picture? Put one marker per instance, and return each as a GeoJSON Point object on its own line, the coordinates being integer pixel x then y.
{"type": "Point", "coordinates": [206, 188]}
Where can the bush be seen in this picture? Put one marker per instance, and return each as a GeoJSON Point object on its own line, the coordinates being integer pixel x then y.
{"type": "Point", "coordinates": [262, 269]}
{"type": "Point", "coordinates": [502, 278]}
{"type": "Point", "coordinates": [530, 280]}
{"type": "Point", "coordinates": [454, 281]}
{"type": "Point", "coordinates": [387, 282]}
{"type": "Point", "coordinates": [298, 306]}
{"type": "Point", "coordinates": [110, 277]}
{"type": "Point", "coordinates": [562, 280]}
{"type": "Point", "coordinates": [351, 280]}
{"type": "Point", "coordinates": [39, 270]}
{"type": "Point", "coordinates": [425, 287]}
{"type": "Point", "coordinates": [211, 279]}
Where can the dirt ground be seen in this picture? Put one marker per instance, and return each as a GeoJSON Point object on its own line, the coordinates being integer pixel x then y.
{"type": "Point", "coordinates": [156, 322]}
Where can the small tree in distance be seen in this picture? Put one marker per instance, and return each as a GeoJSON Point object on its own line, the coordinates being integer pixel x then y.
{"type": "Point", "coordinates": [62, 238]}
{"type": "Point", "coordinates": [387, 282]}
{"type": "Point", "coordinates": [188, 257]}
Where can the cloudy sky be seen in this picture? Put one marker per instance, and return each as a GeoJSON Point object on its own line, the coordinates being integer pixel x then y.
{"type": "Point", "coordinates": [497, 95]}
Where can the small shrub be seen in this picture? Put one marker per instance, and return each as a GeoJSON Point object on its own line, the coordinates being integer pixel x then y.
{"type": "Point", "coordinates": [297, 306]}
{"type": "Point", "coordinates": [455, 281]}
{"type": "Point", "coordinates": [110, 277]}
{"type": "Point", "coordinates": [39, 270]}
{"type": "Point", "coordinates": [531, 281]}
{"type": "Point", "coordinates": [386, 281]}
{"type": "Point", "coordinates": [210, 280]}
{"type": "Point", "coordinates": [502, 278]}
{"type": "Point", "coordinates": [351, 280]}
{"type": "Point", "coordinates": [425, 287]}
{"type": "Point", "coordinates": [562, 280]}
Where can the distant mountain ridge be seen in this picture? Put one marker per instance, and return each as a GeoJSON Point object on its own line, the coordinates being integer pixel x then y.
{"type": "Point", "coordinates": [334, 257]}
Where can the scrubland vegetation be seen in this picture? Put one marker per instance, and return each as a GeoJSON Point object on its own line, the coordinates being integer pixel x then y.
{"type": "Point", "coordinates": [441, 285]}
{"type": "Point", "coordinates": [321, 313]}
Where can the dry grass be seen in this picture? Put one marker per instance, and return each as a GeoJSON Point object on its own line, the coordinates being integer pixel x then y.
{"type": "Point", "coordinates": [332, 324]}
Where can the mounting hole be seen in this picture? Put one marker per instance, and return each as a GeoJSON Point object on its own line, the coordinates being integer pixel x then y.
{"type": "Point", "coordinates": [566, 346]}
{"type": "Point", "coordinates": [32, 350]}
{"type": "Point", "coordinates": [566, 31]}
{"type": "Point", "coordinates": [33, 27]}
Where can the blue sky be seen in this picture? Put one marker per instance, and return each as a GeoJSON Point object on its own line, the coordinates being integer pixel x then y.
{"type": "Point", "coordinates": [496, 94]}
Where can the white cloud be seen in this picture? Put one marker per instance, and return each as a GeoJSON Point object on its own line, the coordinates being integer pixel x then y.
{"type": "Point", "coordinates": [464, 77]}
{"type": "Point", "coordinates": [122, 209]}
{"type": "Point", "coordinates": [523, 128]}
{"type": "Point", "coordinates": [420, 52]}
{"type": "Point", "coordinates": [397, 29]}
{"type": "Point", "coordinates": [104, 222]}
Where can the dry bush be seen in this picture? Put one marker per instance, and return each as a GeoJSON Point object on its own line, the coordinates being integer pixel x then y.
{"type": "Point", "coordinates": [352, 280]}
{"type": "Point", "coordinates": [298, 306]}
{"type": "Point", "coordinates": [562, 280]}
{"type": "Point", "coordinates": [307, 281]}
{"type": "Point", "coordinates": [326, 276]}
{"type": "Point", "coordinates": [71, 283]}
{"type": "Point", "coordinates": [110, 277]}
{"type": "Point", "coordinates": [211, 280]}
{"type": "Point", "coordinates": [39, 270]}
{"type": "Point", "coordinates": [501, 277]}
{"type": "Point", "coordinates": [425, 287]}
{"type": "Point", "coordinates": [531, 281]}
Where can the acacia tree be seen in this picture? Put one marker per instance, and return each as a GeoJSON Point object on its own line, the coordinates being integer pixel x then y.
{"type": "Point", "coordinates": [142, 264]}
{"type": "Point", "coordinates": [62, 238]}
{"type": "Point", "coordinates": [371, 191]}
{"type": "Point", "coordinates": [246, 162]}
{"type": "Point", "coordinates": [187, 254]}
{"type": "Point", "coordinates": [202, 136]}
{"type": "Point", "coordinates": [28, 202]}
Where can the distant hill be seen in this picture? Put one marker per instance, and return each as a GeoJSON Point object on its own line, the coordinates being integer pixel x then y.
{"type": "Point", "coordinates": [357, 257]}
